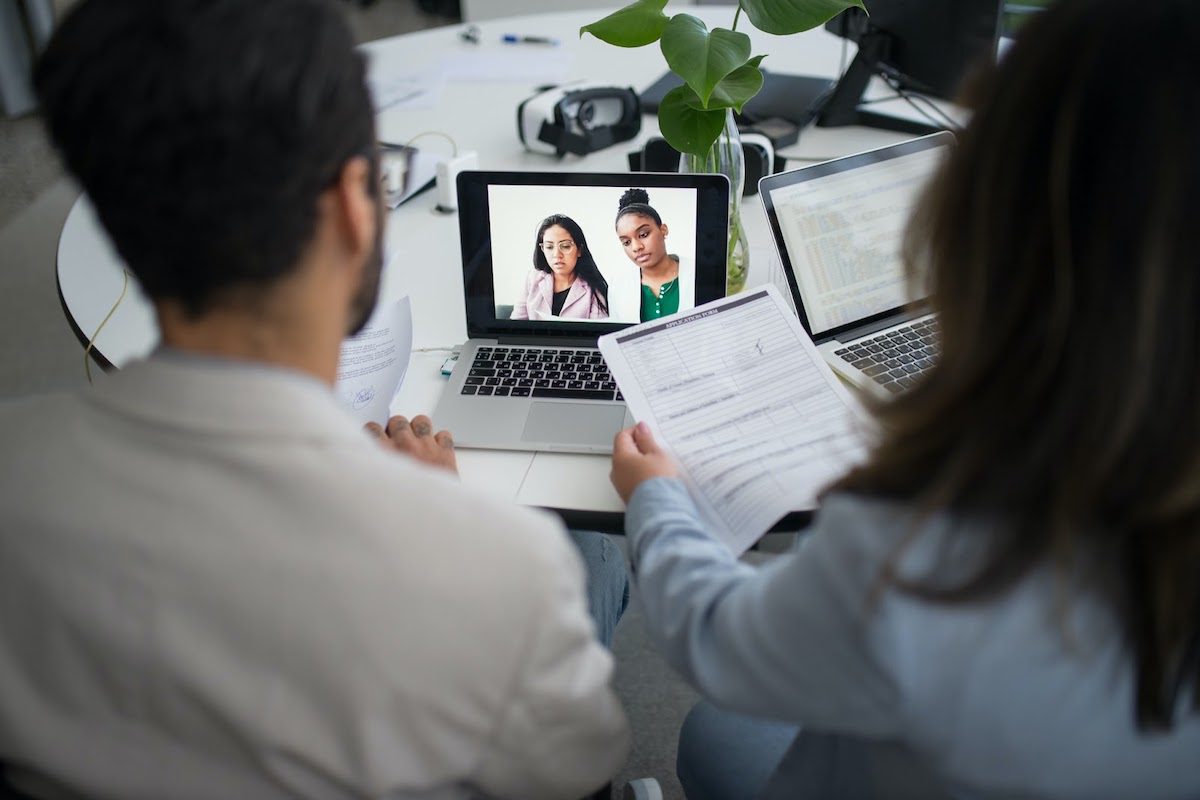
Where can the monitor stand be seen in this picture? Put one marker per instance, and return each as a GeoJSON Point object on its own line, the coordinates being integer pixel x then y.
{"type": "Point", "coordinates": [842, 107]}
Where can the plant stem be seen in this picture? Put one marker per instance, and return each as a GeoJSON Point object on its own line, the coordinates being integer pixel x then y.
{"type": "Point", "coordinates": [736, 15]}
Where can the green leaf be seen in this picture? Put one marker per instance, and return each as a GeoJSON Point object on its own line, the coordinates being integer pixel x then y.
{"type": "Point", "coordinates": [702, 58]}
{"type": "Point", "coordinates": [792, 16]}
{"type": "Point", "coordinates": [686, 128]}
{"type": "Point", "coordinates": [637, 24]}
{"type": "Point", "coordinates": [738, 86]}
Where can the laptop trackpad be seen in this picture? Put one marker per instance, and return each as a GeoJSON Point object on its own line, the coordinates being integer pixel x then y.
{"type": "Point", "coordinates": [573, 423]}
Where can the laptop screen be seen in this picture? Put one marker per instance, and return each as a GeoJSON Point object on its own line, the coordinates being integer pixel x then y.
{"type": "Point", "coordinates": [544, 253]}
{"type": "Point", "coordinates": [838, 227]}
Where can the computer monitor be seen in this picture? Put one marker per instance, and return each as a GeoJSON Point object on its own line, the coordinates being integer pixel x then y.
{"type": "Point", "coordinates": [920, 46]}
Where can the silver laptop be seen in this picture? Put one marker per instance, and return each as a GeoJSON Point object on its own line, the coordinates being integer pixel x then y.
{"type": "Point", "coordinates": [838, 228]}
{"type": "Point", "coordinates": [530, 377]}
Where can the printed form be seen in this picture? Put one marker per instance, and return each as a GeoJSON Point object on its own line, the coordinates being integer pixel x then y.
{"type": "Point", "coordinates": [738, 394]}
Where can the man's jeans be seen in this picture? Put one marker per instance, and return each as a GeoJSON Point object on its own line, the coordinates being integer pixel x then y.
{"type": "Point", "coordinates": [607, 581]}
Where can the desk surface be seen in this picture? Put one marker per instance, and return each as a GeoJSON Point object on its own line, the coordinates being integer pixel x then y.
{"type": "Point", "coordinates": [423, 244]}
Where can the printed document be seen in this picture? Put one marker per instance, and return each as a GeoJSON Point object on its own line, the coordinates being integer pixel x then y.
{"type": "Point", "coordinates": [372, 363]}
{"type": "Point", "coordinates": [736, 391]}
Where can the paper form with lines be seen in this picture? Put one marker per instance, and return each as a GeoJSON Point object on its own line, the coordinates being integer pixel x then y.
{"type": "Point", "coordinates": [738, 394]}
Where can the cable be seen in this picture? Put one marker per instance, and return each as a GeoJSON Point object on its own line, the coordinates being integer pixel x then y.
{"type": "Point", "coordinates": [938, 118]}
{"type": "Point", "coordinates": [87, 351]}
{"type": "Point", "coordinates": [393, 146]}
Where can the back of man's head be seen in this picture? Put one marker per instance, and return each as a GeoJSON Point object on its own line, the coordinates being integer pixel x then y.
{"type": "Point", "coordinates": [205, 131]}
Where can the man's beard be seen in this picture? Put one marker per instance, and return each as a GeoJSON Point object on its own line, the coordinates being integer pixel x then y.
{"type": "Point", "coordinates": [364, 301]}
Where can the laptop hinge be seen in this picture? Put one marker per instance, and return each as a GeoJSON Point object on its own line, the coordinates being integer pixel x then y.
{"type": "Point", "coordinates": [879, 325]}
{"type": "Point", "coordinates": [548, 341]}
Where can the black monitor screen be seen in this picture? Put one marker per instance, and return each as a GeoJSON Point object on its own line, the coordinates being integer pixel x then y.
{"type": "Point", "coordinates": [929, 44]}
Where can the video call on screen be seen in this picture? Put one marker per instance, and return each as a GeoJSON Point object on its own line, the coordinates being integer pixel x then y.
{"type": "Point", "coordinates": [516, 213]}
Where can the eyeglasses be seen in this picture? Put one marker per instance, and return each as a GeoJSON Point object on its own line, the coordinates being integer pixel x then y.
{"type": "Point", "coordinates": [565, 246]}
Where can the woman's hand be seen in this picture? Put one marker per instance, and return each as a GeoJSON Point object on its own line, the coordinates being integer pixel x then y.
{"type": "Point", "coordinates": [636, 458]}
{"type": "Point", "coordinates": [418, 440]}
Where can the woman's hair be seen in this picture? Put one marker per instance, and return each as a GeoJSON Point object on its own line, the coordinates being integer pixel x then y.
{"type": "Point", "coordinates": [585, 266]}
{"type": "Point", "coordinates": [1059, 247]}
{"type": "Point", "coordinates": [636, 201]}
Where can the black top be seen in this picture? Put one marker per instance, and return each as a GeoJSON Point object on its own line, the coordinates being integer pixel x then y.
{"type": "Point", "coordinates": [556, 303]}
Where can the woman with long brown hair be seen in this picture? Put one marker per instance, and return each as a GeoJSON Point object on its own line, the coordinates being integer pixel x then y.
{"type": "Point", "coordinates": [1004, 599]}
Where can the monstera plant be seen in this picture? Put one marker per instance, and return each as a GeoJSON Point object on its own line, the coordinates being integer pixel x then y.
{"type": "Point", "coordinates": [716, 66]}
{"type": "Point", "coordinates": [719, 73]}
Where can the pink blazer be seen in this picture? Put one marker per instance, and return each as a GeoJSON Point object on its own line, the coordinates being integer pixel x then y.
{"type": "Point", "coordinates": [582, 302]}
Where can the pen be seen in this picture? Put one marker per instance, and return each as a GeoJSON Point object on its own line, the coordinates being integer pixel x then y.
{"type": "Point", "coordinates": [513, 38]}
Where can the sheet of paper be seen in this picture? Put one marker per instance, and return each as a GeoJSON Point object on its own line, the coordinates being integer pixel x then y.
{"type": "Point", "coordinates": [739, 395]}
{"type": "Point", "coordinates": [404, 91]}
{"type": "Point", "coordinates": [373, 363]}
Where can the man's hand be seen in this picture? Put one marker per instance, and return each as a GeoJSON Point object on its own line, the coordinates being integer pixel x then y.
{"type": "Point", "coordinates": [418, 440]}
{"type": "Point", "coordinates": [636, 458]}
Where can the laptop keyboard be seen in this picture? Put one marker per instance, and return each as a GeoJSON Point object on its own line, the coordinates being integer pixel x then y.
{"type": "Point", "coordinates": [540, 372]}
{"type": "Point", "coordinates": [896, 358]}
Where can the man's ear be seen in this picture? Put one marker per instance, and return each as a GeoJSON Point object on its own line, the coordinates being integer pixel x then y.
{"type": "Point", "coordinates": [355, 205]}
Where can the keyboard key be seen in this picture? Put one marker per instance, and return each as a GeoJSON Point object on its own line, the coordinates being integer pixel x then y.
{"type": "Point", "coordinates": [841, 352]}
{"type": "Point", "coordinates": [875, 369]}
{"type": "Point", "coordinates": [481, 373]}
{"type": "Point", "coordinates": [502, 391]}
{"type": "Point", "coordinates": [473, 382]}
{"type": "Point", "coordinates": [486, 389]}
{"type": "Point", "coordinates": [518, 391]}
{"type": "Point", "coordinates": [579, 394]}
{"type": "Point", "coordinates": [893, 387]}
{"type": "Point", "coordinates": [470, 389]}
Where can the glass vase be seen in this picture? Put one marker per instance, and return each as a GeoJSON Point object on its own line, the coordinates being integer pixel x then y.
{"type": "Point", "coordinates": [725, 157]}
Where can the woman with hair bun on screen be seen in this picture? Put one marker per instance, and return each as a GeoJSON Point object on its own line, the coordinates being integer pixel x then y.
{"type": "Point", "coordinates": [565, 282]}
{"type": "Point", "coordinates": [644, 236]}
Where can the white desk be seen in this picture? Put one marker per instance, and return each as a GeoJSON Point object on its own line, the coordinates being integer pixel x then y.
{"type": "Point", "coordinates": [479, 116]}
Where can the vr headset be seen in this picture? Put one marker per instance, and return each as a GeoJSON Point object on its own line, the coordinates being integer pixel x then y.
{"type": "Point", "coordinates": [757, 149]}
{"type": "Point", "coordinates": [580, 118]}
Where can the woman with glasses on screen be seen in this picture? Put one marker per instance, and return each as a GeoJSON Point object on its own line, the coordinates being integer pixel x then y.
{"type": "Point", "coordinates": [1004, 599]}
{"type": "Point", "coordinates": [565, 282]}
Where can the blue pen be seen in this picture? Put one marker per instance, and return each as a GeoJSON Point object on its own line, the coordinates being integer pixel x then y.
{"type": "Point", "coordinates": [513, 38]}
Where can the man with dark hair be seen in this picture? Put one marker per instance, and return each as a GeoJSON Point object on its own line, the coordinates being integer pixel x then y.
{"type": "Point", "coordinates": [215, 584]}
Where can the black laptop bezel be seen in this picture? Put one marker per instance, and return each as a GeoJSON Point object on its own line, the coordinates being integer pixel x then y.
{"type": "Point", "coordinates": [474, 226]}
{"type": "Point", "coordinates": [772, 183]}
